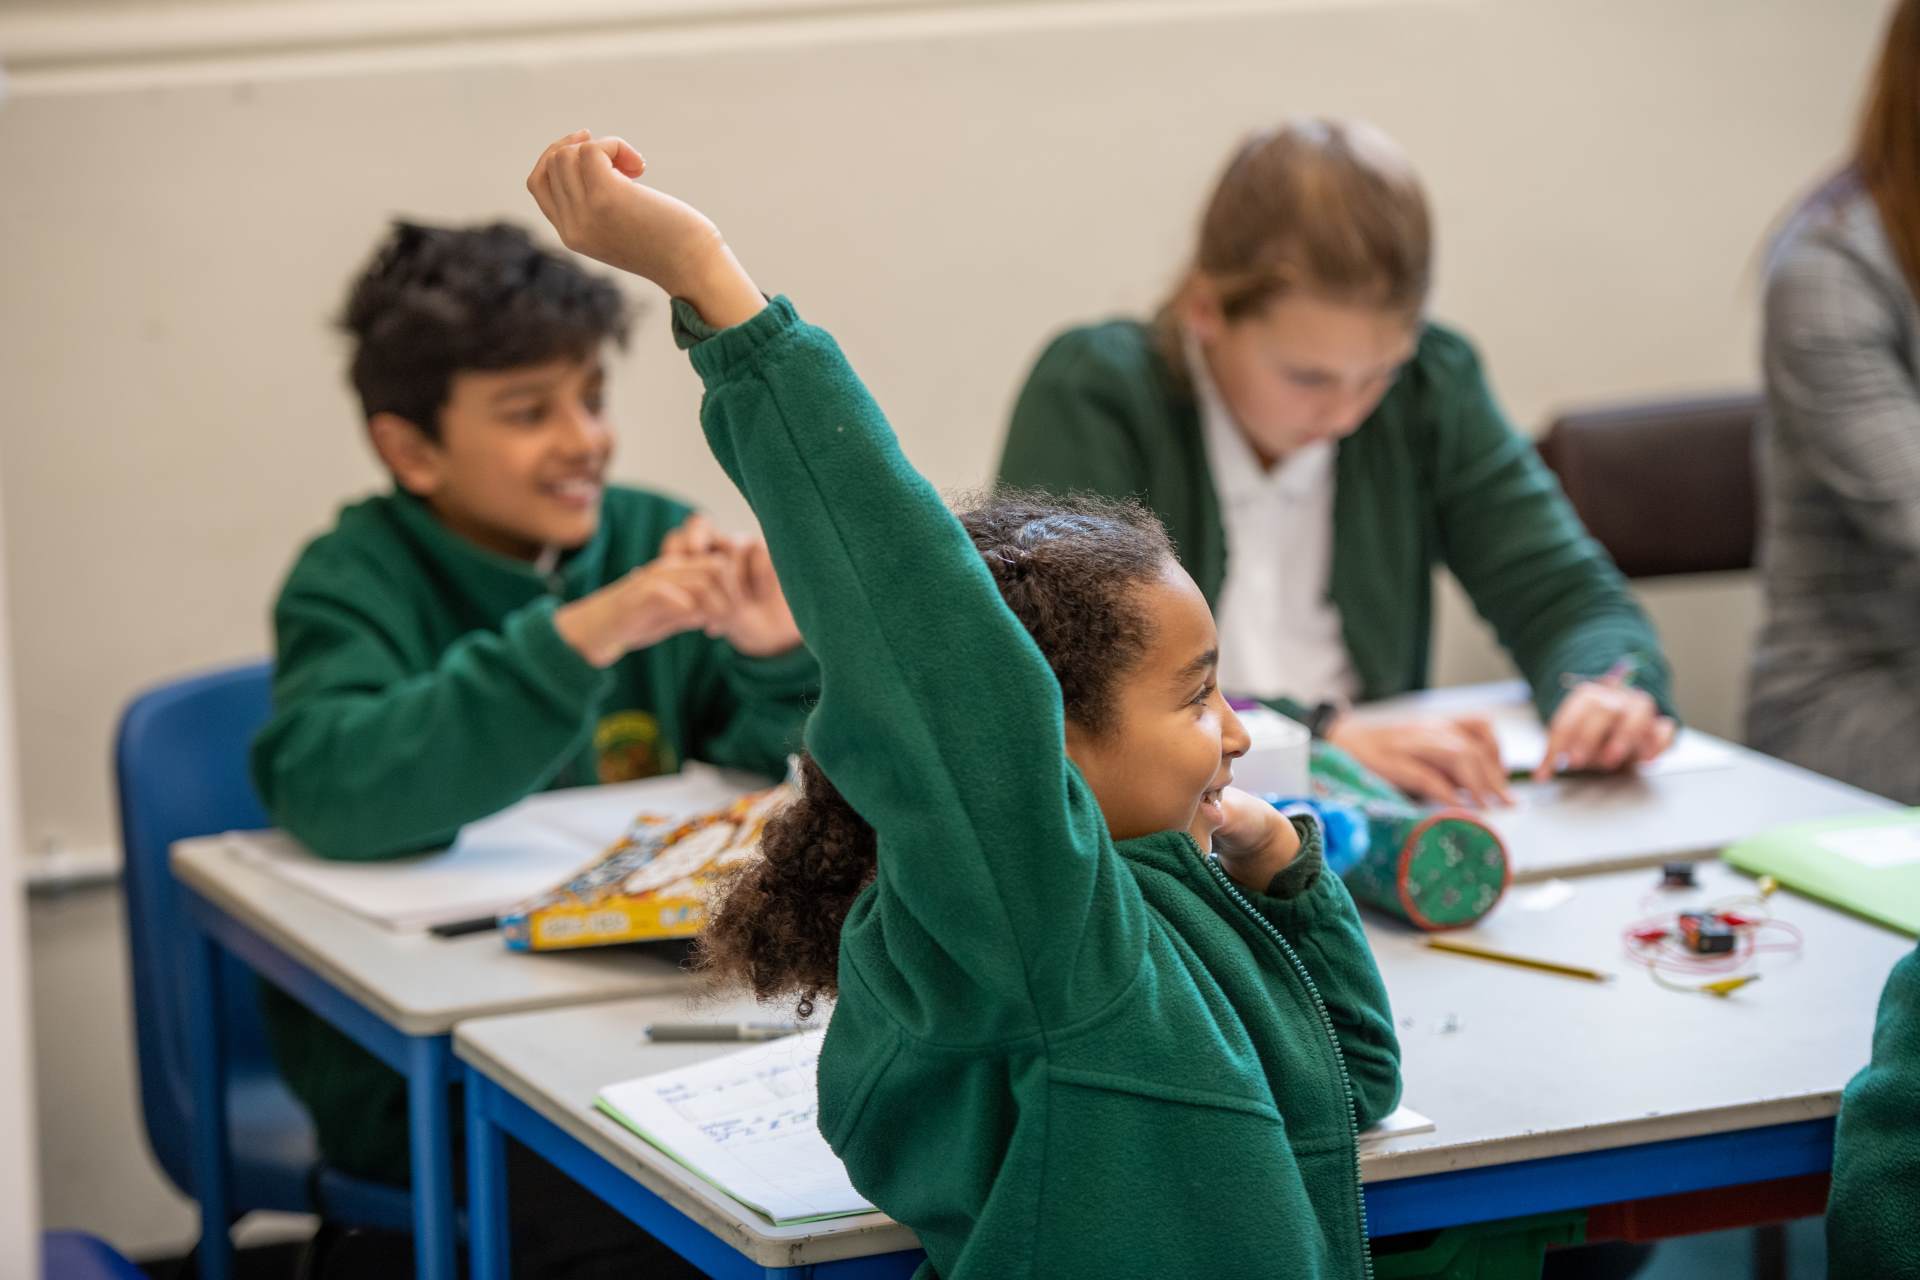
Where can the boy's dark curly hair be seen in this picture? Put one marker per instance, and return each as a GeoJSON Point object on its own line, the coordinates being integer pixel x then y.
{"type": "Point", "coordinates": [435, 301]}
{"type": "Point", "coordinates": [1070, 569]}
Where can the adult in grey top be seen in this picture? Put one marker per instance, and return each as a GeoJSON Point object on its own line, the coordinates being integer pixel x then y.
{"type": "Point", "coordinates": [1836, 679]}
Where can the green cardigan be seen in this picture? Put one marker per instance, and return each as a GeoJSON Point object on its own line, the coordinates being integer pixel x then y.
{"type": "Point", "coordinates": [1434, 476]}
{"type": "Point", "coordinates": [1051, 1056]}
{"type": "Point", "coordinates": [1875, 1202]}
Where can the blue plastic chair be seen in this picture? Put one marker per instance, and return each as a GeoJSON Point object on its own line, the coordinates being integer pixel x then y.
{"type": "Point", "coordinates": [69, 1255]}
{"type": "Point", "coordinates": [180, 759]}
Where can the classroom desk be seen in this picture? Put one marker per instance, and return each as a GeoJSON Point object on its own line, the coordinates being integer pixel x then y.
{"type": "Point", "coordinates": [1650, 1092]}
{"type": "Point", "coordinates": [1548, 1094]}
{"type": "Point", "coordinates": [1576, 826]}
{"type": "Point", "coordinates": [398, 994]}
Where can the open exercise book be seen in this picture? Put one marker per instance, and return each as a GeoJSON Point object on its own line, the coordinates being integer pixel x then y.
{"type": "Point", "coordinates": [746, 1122]}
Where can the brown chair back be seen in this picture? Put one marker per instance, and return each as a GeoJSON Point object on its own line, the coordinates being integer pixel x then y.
{"type": "Point", "coordinates": [1665, 486]}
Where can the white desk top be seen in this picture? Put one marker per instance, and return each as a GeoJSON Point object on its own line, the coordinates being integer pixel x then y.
{"type": "Point", "coordinates": [1534, 1065]}
{"type": "Point", "coordinates": [556, 1062]}
{"type": "Point", "coordinates": [1580, 825]}
{"type": "Point", "coordinates": [1512, 1064]}
{"type": "Point", "coordinates": [416, 982]}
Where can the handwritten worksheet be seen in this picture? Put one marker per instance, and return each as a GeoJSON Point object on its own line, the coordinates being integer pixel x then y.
{"type": "Point", "coordinates": [747, 1123]}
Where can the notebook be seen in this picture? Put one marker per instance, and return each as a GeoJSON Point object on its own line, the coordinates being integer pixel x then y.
{"type": "Point", "coordinates": [746, 1122]}
{"type": "Point", "coordinates": [1869, 865]}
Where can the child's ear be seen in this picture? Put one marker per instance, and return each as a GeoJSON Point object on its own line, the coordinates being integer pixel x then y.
{"type": "Point", "coordinates": [412, 456]}
{"type": "Point", "coordinates": [1200, 311]}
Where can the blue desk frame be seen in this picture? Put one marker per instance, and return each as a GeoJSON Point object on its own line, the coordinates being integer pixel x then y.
{"type": "Point", "coordinates": [1464, 1197]}
{"type": "Point", "coordinates": [425, 1061]}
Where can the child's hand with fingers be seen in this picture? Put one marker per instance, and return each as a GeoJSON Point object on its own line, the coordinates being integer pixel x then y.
{"type": "Point", "coordinates": [587, 188]}
{"type": "Point", "coordinates": [1256, 842]}
{"type": "Point", "coordinates": [761, 624]}
{"type": "Point", "coordinates": [649, 604]}
{"type": "Point", "coordinates": [757, 620]}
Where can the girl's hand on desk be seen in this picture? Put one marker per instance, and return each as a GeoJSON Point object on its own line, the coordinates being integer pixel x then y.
{"type": "Point", "coordinates": [1438, 761]}
{"type": "Point", "coordinates": [1604, 725]}
{"type": "Point", "coordinates": [586, 188]}
{"type": "Point", "coordinates": [1256, 842]}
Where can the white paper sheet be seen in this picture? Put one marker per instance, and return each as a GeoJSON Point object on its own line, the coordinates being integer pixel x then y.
{"type": "Point", "coordinates": [1874, 847]}
{"type": "Point", "coordinates": [1523, 741]}
{"type": "Point", "coordinates": [747, 1123]}
{"type": "Point", "coordinates": [1403, 1121]}
{"type": "Point", "coordinates": [499, 861]}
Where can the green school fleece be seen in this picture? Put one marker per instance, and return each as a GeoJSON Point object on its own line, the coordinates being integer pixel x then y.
{"type": "Point", "coordinates": [1435, 476]}
{"type": "Point", "coordinates": [1874, 1207]}
{"type": "Point", "coordinates": [1052, 1055]}
{"type": "Point", "coordinates": [419, 685]}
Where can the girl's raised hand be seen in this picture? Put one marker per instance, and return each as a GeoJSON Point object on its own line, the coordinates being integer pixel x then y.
{"type": "Point", "coordinates": [587, 188]}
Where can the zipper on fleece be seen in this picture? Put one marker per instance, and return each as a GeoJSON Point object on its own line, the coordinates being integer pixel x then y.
{"type": "Point", "coordinates": [1333, 1042]}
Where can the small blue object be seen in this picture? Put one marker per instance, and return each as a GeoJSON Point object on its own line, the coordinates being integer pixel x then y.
{"type": "Point", "coordinates": [69, 1255]}
{"type": "Point", "coordinates": [1344, 831]}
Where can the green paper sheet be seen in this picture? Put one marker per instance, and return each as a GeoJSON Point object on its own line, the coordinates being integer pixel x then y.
{"type": "Point", "coordinates": [1868, 865]}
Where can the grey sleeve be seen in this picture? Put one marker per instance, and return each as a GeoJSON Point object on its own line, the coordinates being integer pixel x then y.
{"type": "Point", "coordinates": [1841, 390]}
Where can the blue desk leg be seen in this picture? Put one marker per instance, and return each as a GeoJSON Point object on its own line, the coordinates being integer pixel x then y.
{"type": "Point", "coordinates": [431, 1138]}
{"type": "Point", "coordinates": [487, 1239]}
{"type": "Point", "coordinates": [211, 1171]}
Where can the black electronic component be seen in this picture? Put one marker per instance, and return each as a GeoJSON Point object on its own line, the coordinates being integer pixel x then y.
{"type": "Point", "coordinates": [1706, 933]}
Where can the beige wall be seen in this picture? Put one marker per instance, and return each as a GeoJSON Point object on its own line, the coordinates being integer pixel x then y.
{"type": "Point", "coordinates": [941, 185]}
{"type": "Point", "coordinates": [19, 1189]}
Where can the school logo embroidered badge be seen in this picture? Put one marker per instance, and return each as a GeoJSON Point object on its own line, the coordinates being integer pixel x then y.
{"type": "Point", "coordinates": [629, 745]}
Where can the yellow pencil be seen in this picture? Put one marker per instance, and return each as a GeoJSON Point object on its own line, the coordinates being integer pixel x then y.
{"type": "Point", "coordinates": [1457, 947]}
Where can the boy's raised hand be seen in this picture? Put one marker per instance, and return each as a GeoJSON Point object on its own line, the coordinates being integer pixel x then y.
{"type": "Point", "coordinates": [586, 188]}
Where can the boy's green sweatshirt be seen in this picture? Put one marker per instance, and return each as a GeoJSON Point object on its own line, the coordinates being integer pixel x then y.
{"type": "Point", "coordinates": [419, 685]}
{"type": "Point", "coordinates": [1052, 1055]}
{"type": "Point", "coordinates": [1873, 1214]}
{"type": "Point", "coordinates": [1434, 476]}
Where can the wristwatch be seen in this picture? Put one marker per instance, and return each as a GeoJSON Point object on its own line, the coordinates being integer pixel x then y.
{"type": "Point", "coordinates": [1321, 718]}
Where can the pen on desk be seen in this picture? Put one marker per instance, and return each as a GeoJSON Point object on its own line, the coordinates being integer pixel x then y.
{"type": "Point", "coordinates": [461, 928]}
{"type": "Point", "coordinates": [1478, 952]}
{"type": "Point", "coordinates": [676, 1032]}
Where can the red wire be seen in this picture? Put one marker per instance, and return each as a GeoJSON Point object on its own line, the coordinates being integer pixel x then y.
{"type": "Point", "coordinates": [1668, 954]}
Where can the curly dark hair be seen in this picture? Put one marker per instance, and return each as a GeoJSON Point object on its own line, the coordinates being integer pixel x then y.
{"type": "Point", "coordinates": [435, 301]}
{"type": "Point", "coordinates": [1069, 568]}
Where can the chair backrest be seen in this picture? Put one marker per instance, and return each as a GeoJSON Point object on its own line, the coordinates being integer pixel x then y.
{"type": "Point", "coordinates": [1665, 486]}
{"type": "Point", "coordinates": [180, 760]}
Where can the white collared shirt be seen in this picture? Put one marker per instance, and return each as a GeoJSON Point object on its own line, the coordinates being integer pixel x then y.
{"type": "Point", "coordinates": [1280, 633]}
